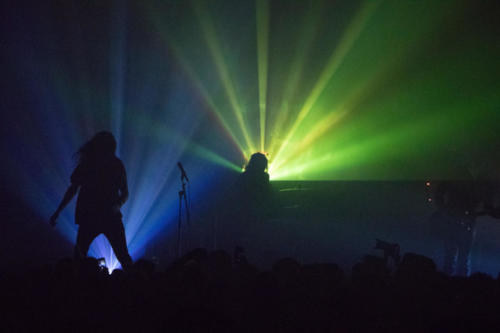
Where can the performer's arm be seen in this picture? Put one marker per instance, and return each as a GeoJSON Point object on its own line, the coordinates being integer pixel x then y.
{"type": "Point", "coordinates": [70, 193]}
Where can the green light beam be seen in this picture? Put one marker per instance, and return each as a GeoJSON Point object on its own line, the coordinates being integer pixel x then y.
{"type": "Point", "coordinates": [352, 33]}
{"type": "Point", "coordinates": [323, 126]}
{"type": "Point", "coordinates": [174, 46]}
{"type": "Point", "coordinates": [262, 18]}
{"type": "Point", "coordinates": [213, 157]}
{"type": "Point", "coordinates": [303, 47]}
{"type": "Point", "coordinates": [213, 44]}
{"type": "Point", "coordinates": [165, 134]}
{"type": "Point", "coordinates": [296, 171]}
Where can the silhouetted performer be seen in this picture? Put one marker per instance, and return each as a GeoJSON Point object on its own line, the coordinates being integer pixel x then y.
{"type": "Point", "coordinates": [245, 208]}
{"type": "Point", "coordinates": [252, 188]}
{"type": "Point", "coordinates": [101, 181]}
{"type": "Point", "coordinates": [455, 220]}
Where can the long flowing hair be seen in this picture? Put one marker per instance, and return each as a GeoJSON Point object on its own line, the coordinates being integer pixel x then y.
{"type": "Point", "coordinates": [100, 147]}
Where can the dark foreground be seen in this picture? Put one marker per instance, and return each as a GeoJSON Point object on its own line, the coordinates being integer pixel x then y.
{"type": "Point", "coordinates": [212, 292]}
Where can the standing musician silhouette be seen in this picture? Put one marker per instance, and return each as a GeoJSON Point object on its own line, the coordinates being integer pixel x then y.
{"type": "Point", "coordinates": [101, 181]}
{"type": "Point", "coordinates": [455, 220]}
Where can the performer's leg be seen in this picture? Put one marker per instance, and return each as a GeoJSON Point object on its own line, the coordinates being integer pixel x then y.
{"type": "Point", "coordinates": [85, 236]}
{"type": "Point", "coordinates": [115, 233]}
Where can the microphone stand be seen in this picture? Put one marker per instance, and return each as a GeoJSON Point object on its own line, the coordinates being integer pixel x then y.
{"type": "Point", "coordinates": [182, 198]}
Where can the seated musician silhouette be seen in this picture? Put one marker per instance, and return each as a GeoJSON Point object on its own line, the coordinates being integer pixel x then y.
{"type": "Point", "coordinates": [101, 182]}
{"type": "Point", "coordinates": [253, 187]}
{"type": "Point", "coordinates": [246, 208]}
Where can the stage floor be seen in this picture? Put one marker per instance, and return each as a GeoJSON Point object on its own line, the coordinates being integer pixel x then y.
{"type": "Point", "coordinates": [338, 221]}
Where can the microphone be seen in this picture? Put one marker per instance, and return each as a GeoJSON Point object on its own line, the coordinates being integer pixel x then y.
{"type": "Point", "coordinates": [183, 172]}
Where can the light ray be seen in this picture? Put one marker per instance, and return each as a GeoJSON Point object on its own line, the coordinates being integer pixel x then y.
{"type": "Point", "coordinates": [352, 33]}
{"type": "Point", "coordinates": [303, 47]}
{"type": "Point", "coordinates": [323, 126]}
{"type": "Point", "coordinates": [210, 35]}
{"type": "Point", "coordinates": [262, 16]}
{"type": "Point", "coordinates": [174, 46]}
{"type": "Point", "coordinates": [117, 72]}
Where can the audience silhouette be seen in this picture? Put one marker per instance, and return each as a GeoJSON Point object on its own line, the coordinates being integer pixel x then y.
{"type": "Point", "coordinates": [207, 291]}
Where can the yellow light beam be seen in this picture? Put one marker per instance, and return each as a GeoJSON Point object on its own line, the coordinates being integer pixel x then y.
{"type": "Point", "coordinates": [299, 168]}
{"type": "Point", "coordinates": [167, 134]}
{"type": "Point", "coordinates": [321, 127]}
{"type": "Point", "coordinates": [213, 44]}
{"type": "Point", "coordinates": [367, 149]}
{"type": "Point", "coordinates": [213, 108]}
{"type": "Point", "coordinates": [303, 46]}
{"type": "Point", "coordinates": [262, 18]}
{"type": "Point", "coordinates": [333, 117]}
{"type": "Point", "coordinates": [211, 156]}
{"type": "Point", "coordinates": [352, 33]}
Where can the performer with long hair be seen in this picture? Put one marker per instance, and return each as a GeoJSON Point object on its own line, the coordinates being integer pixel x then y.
{"type": "Point", "coordinates": [101, 183]}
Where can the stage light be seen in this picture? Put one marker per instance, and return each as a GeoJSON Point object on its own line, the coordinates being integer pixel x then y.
{"type": "Point", "coordinates": [101, 262]}
{"type": "Point", "coordinates": [331, 90]}
{"type": "Point", "coordinates": [301, 117]}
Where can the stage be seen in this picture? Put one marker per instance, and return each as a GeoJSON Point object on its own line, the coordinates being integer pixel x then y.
{"type": "Point", "coordinates": [337, 221]}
